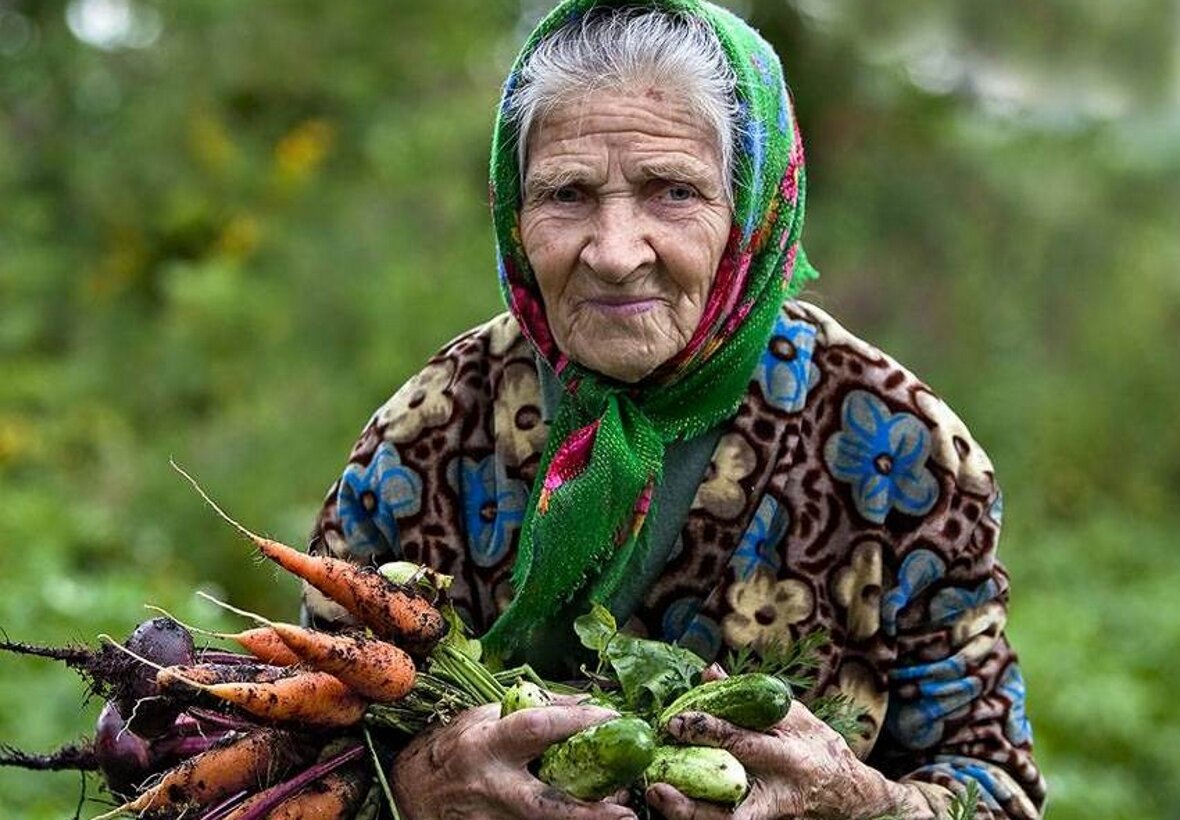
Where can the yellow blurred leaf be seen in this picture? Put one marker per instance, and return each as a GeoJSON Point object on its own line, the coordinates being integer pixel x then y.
{"type": "Point", "coordinates": [210, 143]}
{"type": "Point", "coordinates": [239, 237]}
{"type": "Point", "coordinates": [302, 150]}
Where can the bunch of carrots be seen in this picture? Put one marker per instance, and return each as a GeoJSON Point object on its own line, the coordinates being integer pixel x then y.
{"type": "Point", "coordinates": [286, 728]}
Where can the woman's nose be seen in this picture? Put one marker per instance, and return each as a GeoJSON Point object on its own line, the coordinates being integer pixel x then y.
{"type": "Point", "coordinates": [619, 245]}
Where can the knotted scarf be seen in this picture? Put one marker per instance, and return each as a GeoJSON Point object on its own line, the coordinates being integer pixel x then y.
{"type": "Point", "coordinates": [585, 521]}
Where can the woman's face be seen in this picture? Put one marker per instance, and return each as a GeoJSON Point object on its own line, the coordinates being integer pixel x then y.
{"type": "Point", "coordinates": [624, 222]}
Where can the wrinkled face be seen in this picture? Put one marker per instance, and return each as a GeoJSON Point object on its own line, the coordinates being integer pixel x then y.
{"type": "Point", "coordinates": [624, 221]}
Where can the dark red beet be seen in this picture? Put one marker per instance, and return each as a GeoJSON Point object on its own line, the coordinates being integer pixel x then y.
{"type": "Point", "coordinates": [162, 641]}
{"type": "Point", "coordinates": [165, 642]}
{"type": "Point", "coordinates": [124, 758]}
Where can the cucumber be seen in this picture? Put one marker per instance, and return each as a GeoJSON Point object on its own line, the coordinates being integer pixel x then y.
{"type": "Point", "coordinates": [600, 760]}
{"type": "Point", "coordinates": [752, 701]}
{"type": "Point", "coordinates": [699, 772]}
{"type": "Point", "coordinates": [523, 695]}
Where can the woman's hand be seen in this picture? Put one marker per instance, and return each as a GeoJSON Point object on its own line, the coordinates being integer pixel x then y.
{"type": "Point", "coordinates": [798, 768]}
{"type": "Point", "coordinates": [476, 767]}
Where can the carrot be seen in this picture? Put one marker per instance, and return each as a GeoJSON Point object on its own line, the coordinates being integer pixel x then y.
{"type": "Point", "coordinates": [261, 642]}
{"type": "Point", "coordinates": [264, 803]}
{"type": "Point", "coordinates": [171, 679]}
{"type": "Point", "coordinates": [376, 669]}
{"type": "Point", "coordinates": [332, 798]}
{"type": "Point", "coordinates": [373, 668]}
{"type": "Point", "coordinates": [264, 644]}
{"type": "Point", "coordinates": [315, 698]}
{"type": "Point", "coordinates": [245, 762]}
{"type": "Point", "coordinates": [389, 610]}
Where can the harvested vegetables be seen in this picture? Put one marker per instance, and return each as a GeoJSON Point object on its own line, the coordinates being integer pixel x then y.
{"type": "Point", "coordinates": [598, 761]}
{"type": "Point", "coordinates": [210, 735]}
{"type": "Point", "coordinates": [699, 772]}
{"type": "Point", "coordinates": [304, 723]}
{"type": "Point", "coordinates": [390, 610]}
{"type": "Point", "coordinates": [754, 700]}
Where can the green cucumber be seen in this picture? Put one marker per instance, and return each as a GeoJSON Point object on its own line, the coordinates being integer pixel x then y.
{"type": "Point", "coordinates": [600, 760]}
{"type": "Point", "coordinates": [699, 772]}
{"type": "Point", "coordinates": [752, 701]}
{"type": "Point", "coordinates": [523, 695]}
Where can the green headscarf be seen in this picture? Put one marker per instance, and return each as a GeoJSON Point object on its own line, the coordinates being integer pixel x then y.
{"type": "Point", "coordinates": [586, 517]}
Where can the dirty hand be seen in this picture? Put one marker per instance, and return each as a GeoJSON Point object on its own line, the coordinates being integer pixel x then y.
{"type": "Point", "coordinates": [798, 768]}
{"type": "Point", "coordinates": [476, 767]}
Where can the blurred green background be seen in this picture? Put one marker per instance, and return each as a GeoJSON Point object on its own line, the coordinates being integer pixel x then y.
{"type": "Point", "coordinates": [229, 230]}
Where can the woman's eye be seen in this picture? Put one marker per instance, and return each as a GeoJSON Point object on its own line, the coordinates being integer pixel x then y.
{"type": "Point", "coordinates": [567, 194]}
{"type": "Point", "coordinates": [680, 193]}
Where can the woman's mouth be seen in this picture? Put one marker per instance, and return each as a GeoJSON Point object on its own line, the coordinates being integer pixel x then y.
{"type": "Point", "coordinates": [622, 307]}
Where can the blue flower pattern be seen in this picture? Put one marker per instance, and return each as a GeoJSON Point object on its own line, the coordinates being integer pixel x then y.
{"type": "Point", "coordinates": [759, 547]}
{"type": "Point", "coordinates": [920, 569]}
{"type": "Point", "coordinates": [493, 507]}
{"type": "Point", "coordinates": [372, 497]}
{"type": "Point", "coordinates": [996, 510]}
{"type": "Point", "coordinates": [1011, 685]}
{"type": "Point", "coordinates": [754, 141]}
{"type": "Point", "coordinates": [786, 372]}
{"type": "Point", "coordinates": [995, 785]}
{"type": "Point", "coordinates": [883, 456]}
{"type": "Point", "coordinates": [943, 689]}
{"type": "Point", "coordinates": [950, 603]}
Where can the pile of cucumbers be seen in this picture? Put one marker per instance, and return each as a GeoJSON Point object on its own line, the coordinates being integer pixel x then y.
{"type": "Point", "coordinates": [629, 750]}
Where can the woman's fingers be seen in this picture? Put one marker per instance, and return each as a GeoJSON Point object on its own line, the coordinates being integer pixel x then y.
{"type": "Point", "coordinates": [622, 797]}
{"type": "Point", "coordinates": [675, 806]}
{"type": "Point", "coordinates": [754, 749]}
{"type": "Point", "coordinates": [523, 735]}
{"type": "Point", "coordinates": [551, 803]}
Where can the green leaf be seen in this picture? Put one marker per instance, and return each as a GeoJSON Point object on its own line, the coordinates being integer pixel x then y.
{"type": "Point", "coordinates": [456, 636]}
{"type": "Point", "coordinates": [651, 673]}
{"type": "Point", "coordinates": [596, 628]}
{"type": "Point", "coordinates": [963, 806]}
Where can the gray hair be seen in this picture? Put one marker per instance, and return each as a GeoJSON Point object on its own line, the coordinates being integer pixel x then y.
{"type": "Point", "coordinates": [619, 49]}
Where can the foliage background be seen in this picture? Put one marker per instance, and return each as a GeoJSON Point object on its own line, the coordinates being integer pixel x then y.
{"type": "Point", "coordinates": [229, 230]}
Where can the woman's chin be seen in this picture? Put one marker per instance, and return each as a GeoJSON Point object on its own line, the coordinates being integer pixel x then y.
{"type": "Point", "coordinates": [619, 361]}
{"type": "Point", "coordinates": [622, 348]}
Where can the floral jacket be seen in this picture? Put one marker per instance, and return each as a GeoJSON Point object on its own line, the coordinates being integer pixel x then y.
{"type": "Point", "coordinates": [843, 495]}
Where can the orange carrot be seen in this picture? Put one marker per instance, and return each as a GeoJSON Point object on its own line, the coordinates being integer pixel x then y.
{"type": "Point", "coordinates": [264, 644]}
{"type": "Point", "coordinates": [374, 668]}
{"type": "Point", "coordinates": [334, 796]}
{"type": "Point", "coordinates": [315, 698]}
{"type": "Point", "coordinates": [260, 642]}
{"type": "Point", "coordinates": [371, 667]}
{"type": "Point", "coordinates": [177, 678]}
{"type": "Point", "coordinates": [391, 611]}
{"type": "Point", "coordinates": [245, 762]}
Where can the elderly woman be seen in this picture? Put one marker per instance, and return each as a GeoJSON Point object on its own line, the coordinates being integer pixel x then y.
{"type": "Point", "coordinates": [657, 425]}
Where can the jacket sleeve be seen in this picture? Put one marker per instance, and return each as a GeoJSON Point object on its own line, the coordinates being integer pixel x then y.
{"type": "Point", "coordinates": [956, 710]}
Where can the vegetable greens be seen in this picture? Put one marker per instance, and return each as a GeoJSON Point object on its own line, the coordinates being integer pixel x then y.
{"type": "Point", "coordinates": [650, 674]}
